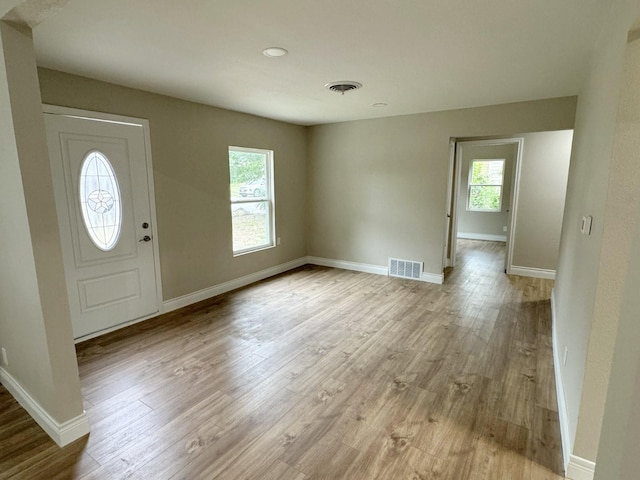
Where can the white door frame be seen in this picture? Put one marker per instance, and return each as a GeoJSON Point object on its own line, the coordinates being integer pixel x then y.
{"type": "Point", "coordinates": [448, 232]}
{"type": "Point", "coordinates": [454, 170]}
{"type": "Point", "coordinates": [110, 118]}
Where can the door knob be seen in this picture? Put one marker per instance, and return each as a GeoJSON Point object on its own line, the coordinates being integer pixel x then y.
{"type": "Point", "coordinates": [146, 238]}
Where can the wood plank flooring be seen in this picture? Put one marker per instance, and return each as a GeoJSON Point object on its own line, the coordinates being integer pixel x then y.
{"type": "Point", "coordinates": [319, 374]}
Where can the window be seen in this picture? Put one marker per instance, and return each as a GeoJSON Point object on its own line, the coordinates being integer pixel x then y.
{"type": "Point", "coordinates": [252, 206]}
{"type": "Point", "coordinates": [485, 185]}
{"type": "Point", "coordinates": [100, 201]}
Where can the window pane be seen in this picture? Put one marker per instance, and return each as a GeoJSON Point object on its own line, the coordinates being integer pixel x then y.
{"type": "Point", "coordinates": [487, 172]}
{"type": "Point", "coordinates": [484, 197]}
{"type": "Point", "coordinates": [248, 174]}
{"type": "Point", "coordinates": [250, 225]}
{"type": "Point", "coordinates": [250, 184]}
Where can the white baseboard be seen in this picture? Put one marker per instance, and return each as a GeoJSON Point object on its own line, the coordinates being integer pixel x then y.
{"type": "Point", "coordinates": [576, 468]}
{"type": "Point", "coordinates": [204, 294]}
{"type": "Point", "coordinates": [437, 278]}
{"type": "Point", "coordinates": [563, 416]}
{"type": "Point", "coordinates": [367, 268]}
{"type": "Point", "coordinates": [580, 469]}
{"type": "Point", "coordinates": [61, 433]}
{"type": "Point", "coordinates": [482, 236]}
{"type": "Point", "coordinates": [343, 264]}
{"type": "Point", "coordinates": [532, 272]}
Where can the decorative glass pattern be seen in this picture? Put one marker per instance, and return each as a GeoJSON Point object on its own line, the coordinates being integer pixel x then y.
{"type": "Point", "coordinates": [100, 201]}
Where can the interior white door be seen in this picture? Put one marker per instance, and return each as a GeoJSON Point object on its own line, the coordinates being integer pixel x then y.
{"type": "Point", "coordinates": [103, 203]}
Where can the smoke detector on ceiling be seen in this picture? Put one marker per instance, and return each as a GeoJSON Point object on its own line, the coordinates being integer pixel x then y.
{"type": "Point", "coordinates": [343, 86]}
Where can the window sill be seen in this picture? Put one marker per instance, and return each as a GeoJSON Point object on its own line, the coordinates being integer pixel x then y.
{"type": "Point", "coordinates": [253, 250]}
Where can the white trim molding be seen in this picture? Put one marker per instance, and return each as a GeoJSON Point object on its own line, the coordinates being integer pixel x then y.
{"type": "Point", "coordinates": [204, 294]}
{"type": "Point", "coordinates": [563, 416]}
{"type": "Point", "coordinates": [576, 468]}
{"type": "Point", "coordinates": [61, 433]}
{"type": "Point", "coordinates": [532, 272]}
{"type": "Point", "coordinates": [437, 278]}
{"type": "Point", "coordinates": [483, 236]}
{"type": "Point", "coordinates": [344, 265]}
{"type": "Point", "coordinates": [580, 468]}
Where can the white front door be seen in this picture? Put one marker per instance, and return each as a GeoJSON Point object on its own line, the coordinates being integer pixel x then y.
{"type": "Point", "coordinates": [103, 199]}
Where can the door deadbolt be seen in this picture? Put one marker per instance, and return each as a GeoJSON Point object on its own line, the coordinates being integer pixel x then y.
{"type": "Point", "coordinates": [145, 225]}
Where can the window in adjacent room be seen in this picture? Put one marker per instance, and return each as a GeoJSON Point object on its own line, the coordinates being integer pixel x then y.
{"type": "Point", "coordinates": [252, 205]}
{"type": "Point", "coordinates": [485, 185]}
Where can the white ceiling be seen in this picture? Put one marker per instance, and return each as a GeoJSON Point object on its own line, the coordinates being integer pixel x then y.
{"type": "Point", "coordinates": [414, 55]}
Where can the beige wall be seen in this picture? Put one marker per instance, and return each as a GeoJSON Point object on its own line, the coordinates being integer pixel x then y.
{"type": "Point", "coordinates": [618, 456]}
{"type": "Point", "coordinates": [591, 269]}
{"type": "Point", "coordinates": [35, 326]}
{"type": "Point", "coordinates": [485, 223]}
{"type": "Point", "coordinates": [541, 198]}
{"type": "Point", "coordinates": [619, 450]}
{"type": "Point", "coordinates": [189, 145]}
{"type": "Point", "coordinates": [6, 5]}
{"type": "Point", "coordinates": [377, 188]}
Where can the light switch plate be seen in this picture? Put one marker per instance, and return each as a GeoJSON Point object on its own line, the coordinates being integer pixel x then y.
{"type": "Point", "coordinates": [585, 228]}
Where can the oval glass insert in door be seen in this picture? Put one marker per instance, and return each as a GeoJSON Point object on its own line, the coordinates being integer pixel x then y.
{"type": "Point", "coordinates": [100, 201]}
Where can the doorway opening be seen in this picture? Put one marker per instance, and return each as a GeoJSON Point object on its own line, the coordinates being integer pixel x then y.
{"type": "Point", "coordinates": [483, 194]}
{"type": "Point", "coordinates": [510, 190]}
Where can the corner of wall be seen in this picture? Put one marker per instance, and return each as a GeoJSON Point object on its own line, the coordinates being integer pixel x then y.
{"type": "Point", "coordinates": [61, 433]}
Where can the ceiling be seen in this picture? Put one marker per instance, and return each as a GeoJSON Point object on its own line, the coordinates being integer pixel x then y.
{"type": "Point", "coordinates": [413, 55]}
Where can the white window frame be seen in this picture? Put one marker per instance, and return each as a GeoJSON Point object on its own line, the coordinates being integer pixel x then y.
{"type": "Point", "coordinates": [469, 185]}
{"type": "Point", "coordinates": [269, 198]}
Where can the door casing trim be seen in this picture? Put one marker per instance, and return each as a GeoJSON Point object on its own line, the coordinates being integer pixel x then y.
{"type": "Point", "coordinates": [454, 165]}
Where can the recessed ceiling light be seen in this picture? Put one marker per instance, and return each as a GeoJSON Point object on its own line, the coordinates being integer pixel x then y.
{"type": "Point", "coordinates": [274, 52]}
{"type": "Point", "coordinates": [380, 104]}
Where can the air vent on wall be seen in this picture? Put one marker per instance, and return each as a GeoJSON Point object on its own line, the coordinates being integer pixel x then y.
{"type": "Point", "coordinates": [405, 268]}
{"type": "Point", "coordinates": [343, 86]}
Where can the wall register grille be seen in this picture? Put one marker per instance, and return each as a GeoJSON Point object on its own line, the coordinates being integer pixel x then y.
{"type": "Point", "coordinates": [405, 268]}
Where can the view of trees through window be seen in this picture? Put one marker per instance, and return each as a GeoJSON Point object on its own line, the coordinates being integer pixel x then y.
{"type": "Point", "coordinates": [485, 185]}
{"type": "Point", "coordinates": [250, 171]}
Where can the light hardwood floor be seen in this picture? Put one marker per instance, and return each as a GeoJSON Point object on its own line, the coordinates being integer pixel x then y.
{"type": "Point", "coordinates": [319, 374]}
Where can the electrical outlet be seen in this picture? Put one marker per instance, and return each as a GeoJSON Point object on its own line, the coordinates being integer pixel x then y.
{"type": "Point", "coordinates": [278, 241]}
{"type": "Point", "coordinates": [564, 359]}
{"type": "Point", "coordinates": [5, 359]}
{"type": "Point", "coordinates": [504, 229]}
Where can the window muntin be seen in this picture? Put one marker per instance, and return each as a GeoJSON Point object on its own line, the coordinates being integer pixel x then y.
{"type": "Point", "coordinates": [100, 201]}
{"type": "Point", "coordinates": [486, 178]}
{"type": "Point", "coordinates": [251, 193]}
